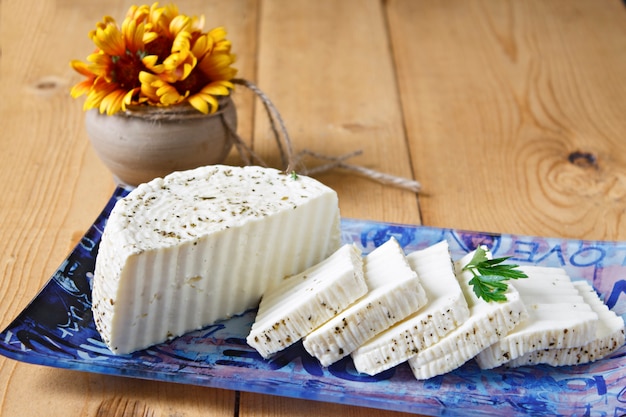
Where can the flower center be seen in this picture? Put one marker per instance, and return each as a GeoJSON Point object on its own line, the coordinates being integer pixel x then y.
{"type": "Point", "coordinates": [193, 83]}
{"type": "Point", "coordinates": [126, 69]}
{"type": "Point", "coordinates": [160, 47]}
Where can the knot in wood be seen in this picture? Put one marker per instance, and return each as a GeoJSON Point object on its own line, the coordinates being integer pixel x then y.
{"type": "Point", "coordinates": [584, 160]}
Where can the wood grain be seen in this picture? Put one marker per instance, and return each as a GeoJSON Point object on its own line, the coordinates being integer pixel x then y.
{"type": "Point", "coordinates": [498, 96]}
{"type": "Point", "coordinates": [328, 69]}
{"type": "Point", "coordinates": [54, 187]}
{"type": "Point", "coordinates": [264, 405]}
{"type": "Point", "coordinates": [511, 114]}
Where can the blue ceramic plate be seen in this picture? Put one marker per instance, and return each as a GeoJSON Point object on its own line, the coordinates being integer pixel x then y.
{"type": "Point", "coordinates": [57, 330]}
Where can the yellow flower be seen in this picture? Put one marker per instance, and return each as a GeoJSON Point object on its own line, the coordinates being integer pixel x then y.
{"type": "Point", "coordinates": [84, 86]}
{"type": "Point", "coordinates": [157, 57]}
{"type": "Point", "coordinates": [179, 64]}
{"type": "Point", "coordinates": [159, 91]}
{"type": "Point", "coordinates": [215, 57]}
{"type": "Point", "coordinates": [167, 21]}
{"type": "Point", "coordinates": [204, 100]}
{"type": "Point", "coordinates": [108, 38]}
{"type": "Point", "coordinates": [138, 13]}
{"type": "Point", "coordinates": [112, 74]}
{"type": "Point", "coordinates": [178, 79]}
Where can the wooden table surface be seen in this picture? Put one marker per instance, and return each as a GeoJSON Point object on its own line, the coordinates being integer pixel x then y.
{"type": "Point", "coordinates": [512, 115]}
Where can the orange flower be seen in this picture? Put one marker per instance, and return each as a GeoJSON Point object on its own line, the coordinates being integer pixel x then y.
{"type": "Point", "coordinates": [158, 57]}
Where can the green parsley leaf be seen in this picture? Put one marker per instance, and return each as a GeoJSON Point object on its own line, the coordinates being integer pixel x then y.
{"type": "Point", "coordinates": [489, 275]}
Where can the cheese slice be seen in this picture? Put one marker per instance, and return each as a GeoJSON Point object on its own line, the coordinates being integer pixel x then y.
{"type": "Point", "coordinates": [488, 322]}
{"type": "Point", "coordinates": [293, 308]}
{"type": "Point", "coordinates": [446, 309]}
{"type": "Point", "coordinates": [181, 252]}
{"type": "Point", "coordinates": [557, 319]}
{"type": "Point", "coordinates": [394, 292]}
{"type": "Point", "coordinates": [609, 336]}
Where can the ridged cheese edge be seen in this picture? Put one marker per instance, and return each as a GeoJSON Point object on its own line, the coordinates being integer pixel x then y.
{"type": "Point", "coordinates": [144, 295]}
{"type": "Point", "coordinates": [487, 323]}
{"type": "Point", "coordinates": [608, 338]}
{"type": "Point", "coordinates": [445, 310]}
{"type": "Point", "coordinates": [394, 292]}
{"type": "Point", "coordinates": [301, 303]}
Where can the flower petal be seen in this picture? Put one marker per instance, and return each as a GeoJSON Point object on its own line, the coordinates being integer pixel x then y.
{"type": "Point", "coordinates": [108, 37]}
{"type": "Point", "coordinates": [204, 103]}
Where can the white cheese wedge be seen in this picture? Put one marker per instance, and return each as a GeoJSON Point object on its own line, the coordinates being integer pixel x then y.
{"type": "Point", "coordinates": [184, 251]}
{"type": "Point", "coordinates": [556, 320]}
{"type": "Point", "coordinates": [297, 305]}
{"type": "Point", "coordinates": [445, 310]}
{"type": "Point", "coordinates": [609, 337]}
{"type": "Point", "coordinates": [394, 292]}
{"type": "Point", "coordinates": [488, 322]}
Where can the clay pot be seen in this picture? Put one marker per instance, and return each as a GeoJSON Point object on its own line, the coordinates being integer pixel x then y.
{"type": "Point", "coordinates": [146, 142]}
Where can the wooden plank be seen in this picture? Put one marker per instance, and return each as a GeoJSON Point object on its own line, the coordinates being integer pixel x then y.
{"type": "Point", "coordinates": [54, 187]}
{"type": "Point", "coordinates": [516, 110]}
{"type": "Point", "coordinates": [264, 405]}
{"type": "Point", "coordinates": [327, 67]}
{"type": "Point", "coordinates": [526, 97]}
{"type": "Point", "coordinates": [36, 390]}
